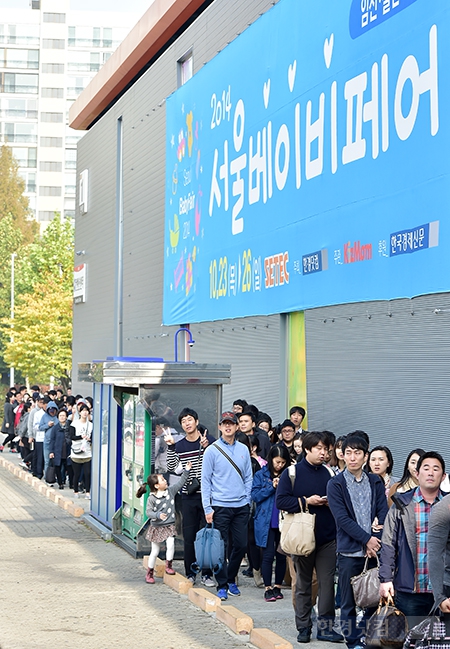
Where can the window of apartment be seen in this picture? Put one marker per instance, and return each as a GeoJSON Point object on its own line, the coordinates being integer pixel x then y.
{"type": "Point", "coordinates": [47, 190]}
{"type": "Point", "coordinates": [71, 159]}
{"type": "Point", "coordinates": [185, 68]}
{"type": "Point", "coordinates": [53, 43]}
{"type": "Point", "coordinates": [17, 132]}
{"type": "Point", "coordinates": [70, 182]}
{"type": "Point", "coordinates": [26, 157]}
{"type": "Point", "coordinates": [29, 178]}
{"type": "Point", "coordinates": [52, 141]}
{"type": "Point", "coordinates": [84, 61]}
{"type": "Point", "coordinates": [22, 34]}
{"type": "Point", "coordinates": [52, 93]}
{"type": "Point", "coordinates": [35, 4]}
{"type": "Point", "coordinates": [52, 117]}
{"type": "Point", "coordinates": [20, 83]}
{"type": "Point", "coordinates": [107, 37]}
{"type": "Point", "coordinates": [72, 136]}
{"type": "Point", "coordinates": [10, 58]}
{"type": "Point", "coordinates": [81, 36]}
{"type": "Point", "coordinates": [19, 108]}
{"type": "Point", "coordinates": [76, 85]}
{"type": "Point", "coordinates": [69, 208]}
{"type": "Point", "coordinates": [46, 215]}
{"type": "Point", "coordinates": [49, 165]}
{"type": "Point", "coordinates": [53, 68]}
{"type": "Point", "coordinates": [105, 56]}
{"type": "Point", "coordinates": [53, 18]}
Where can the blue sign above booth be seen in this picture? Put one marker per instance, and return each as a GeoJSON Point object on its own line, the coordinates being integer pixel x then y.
{"type": "Point", "coordinates": [307, 159]}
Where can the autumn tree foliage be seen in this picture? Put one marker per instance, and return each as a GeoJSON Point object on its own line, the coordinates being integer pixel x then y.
{"type": "Point", "coordinates": [42, 324]}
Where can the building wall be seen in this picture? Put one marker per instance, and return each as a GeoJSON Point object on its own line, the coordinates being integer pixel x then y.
{"type": "Point", "coordinates": [251, 345]}
{"type": "Point", "coordinates": [382, 367]}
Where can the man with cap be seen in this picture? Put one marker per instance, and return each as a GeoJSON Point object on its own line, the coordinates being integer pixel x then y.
{"type": "Point", "coordinates": [226, 487]}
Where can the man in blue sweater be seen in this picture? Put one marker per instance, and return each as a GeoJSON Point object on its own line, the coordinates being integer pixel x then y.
{"type": "Point", "coordinates": [226, 487]}
{"type": "Point", "coordinates": [310, 487]}
{"type": "Point", "coordinates": [358, 503]}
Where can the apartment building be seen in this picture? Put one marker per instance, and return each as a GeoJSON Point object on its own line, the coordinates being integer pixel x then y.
{"type": "Point", "coordinates": [48, 55]}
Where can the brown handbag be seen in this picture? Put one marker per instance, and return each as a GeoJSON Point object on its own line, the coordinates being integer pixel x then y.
{"type": "Point", "coordinates": [366, 586]}
{"type": "Point", "coordinates": [387, 626]}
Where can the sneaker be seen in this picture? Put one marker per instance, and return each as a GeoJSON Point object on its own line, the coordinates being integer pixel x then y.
{"type": "Point", "coordinates": [277, 592]}
{"type": "Point", "coordinates": [233, 590]}
{"type": "Point", "coordinates": [61, 486]}
{"type": "Point", "coordinates": [247, 572]}
{"type": "Point", "coordinates": [76, 495]}
{"type": "Point", "coordinates": [269, 595]}
{"type": "Point", "coordinates": [304, 634]}
{"type": "Point", "coordinates": [222, 594]}
{"type": "Point", "coordinates": [191, 578]}
{"type": "Point", "coordinates": [330, 636]}
{"type": "Point", "coordinates": [208, 581]}
{"type": "Point", "coordinates": [13, 450]}
{"type": "Point", "coordinates": [87, 496]}
{"type": "Point", "coordinates": [24, 465]}
{"type": "Point", "coordinates": [1, 448]}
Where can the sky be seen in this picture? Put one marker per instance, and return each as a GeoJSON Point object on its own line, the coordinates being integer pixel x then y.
{"type": "Point", "coordinates": [133, 6]}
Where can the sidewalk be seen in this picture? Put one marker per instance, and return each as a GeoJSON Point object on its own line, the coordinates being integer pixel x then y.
{"type": "Point", "coordinates": [68, 564]}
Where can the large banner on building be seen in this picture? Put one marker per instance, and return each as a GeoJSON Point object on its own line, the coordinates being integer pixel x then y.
{"type": "Point", "coordinates": [308, 162]}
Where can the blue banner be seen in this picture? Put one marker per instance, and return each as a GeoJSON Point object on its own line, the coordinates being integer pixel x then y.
{"type": "Point", "coordinates": [308, 159]}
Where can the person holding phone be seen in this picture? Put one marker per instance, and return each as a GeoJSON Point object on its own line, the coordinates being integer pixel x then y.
{"type": "Point", "coordinates": [190, 449]}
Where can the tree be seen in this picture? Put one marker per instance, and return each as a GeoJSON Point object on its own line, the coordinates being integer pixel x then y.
{"type": "Point", "coordinates": [42, 324]}
{"type": "Point", "coordinates": [13, 202]}
{"type": "Point", "coordinates": [42, 328]}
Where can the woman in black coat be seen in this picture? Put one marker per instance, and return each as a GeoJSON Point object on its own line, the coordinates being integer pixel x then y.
{"type": "Point", "coordinates": [58, 446]}
{"type": "Point", "coordinates": [8, 422]}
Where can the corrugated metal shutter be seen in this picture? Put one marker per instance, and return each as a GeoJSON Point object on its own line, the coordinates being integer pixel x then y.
{"type": "Point", "coordinates": [252, 346]}
{"type": "Point", "coordinates": [382, 367]}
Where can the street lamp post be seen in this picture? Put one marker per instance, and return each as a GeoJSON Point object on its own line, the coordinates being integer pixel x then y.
{"type": "Point", "coordinates": [13, 256]}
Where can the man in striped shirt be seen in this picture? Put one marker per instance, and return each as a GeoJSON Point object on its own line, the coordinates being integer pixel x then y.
{"type": "Point", "coordinates": [190, 449]}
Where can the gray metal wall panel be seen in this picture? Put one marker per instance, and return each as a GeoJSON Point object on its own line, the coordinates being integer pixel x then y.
{"type": "Point", "coordinates": [382, 367]}
{"type": "Point", "coordinates": [253, 353]}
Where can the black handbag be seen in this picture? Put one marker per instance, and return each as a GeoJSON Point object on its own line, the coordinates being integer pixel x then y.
{"type": "Point", "coordinates": [50, 473]}
{"type": "Point", "coordinates": [193, 486]}
{"type": "Point", "coordinates": [387, 626]}
{"type": "Point", "coordinates": [429, 634]}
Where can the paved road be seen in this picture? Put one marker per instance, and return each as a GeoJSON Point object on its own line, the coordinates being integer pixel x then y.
{"type": "Point", "coordinates": [62, 586]}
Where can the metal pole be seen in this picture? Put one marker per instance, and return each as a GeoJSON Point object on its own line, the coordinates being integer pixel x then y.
{"type": "Point", "coordinates": [118, 311]}
{"type": "Point", "coordinates": [13, 256]}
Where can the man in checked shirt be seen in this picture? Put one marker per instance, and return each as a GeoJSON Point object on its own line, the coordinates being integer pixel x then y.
{"type": "Point", "coordinates": [404, 553]}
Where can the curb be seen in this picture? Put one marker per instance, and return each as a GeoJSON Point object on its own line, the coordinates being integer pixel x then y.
{"type": "Point", "coordinates": [240, 623]}
{"type": "Point", "coordinates": [49, 492]}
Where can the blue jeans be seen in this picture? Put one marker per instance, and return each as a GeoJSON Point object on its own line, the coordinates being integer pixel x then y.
{"type": "Point", "coordinates": [350, 567]}
{"type": "Point", "coordinates": [416, 606]}
{"type": "Point", "coordinates": [232, 522]}
{"type": "Point", "coordinates": [46, 454]}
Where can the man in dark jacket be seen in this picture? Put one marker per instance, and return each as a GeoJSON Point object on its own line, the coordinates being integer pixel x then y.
{"type": "Point", "coordinates": [358, 503]}
{"type": "Point", "coordinates": [310, 486]}
{"type": "Point", "coordinates": [404, 554]}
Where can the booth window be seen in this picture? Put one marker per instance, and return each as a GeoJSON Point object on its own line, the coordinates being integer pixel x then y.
{"type": "Point", "coordinates": [185, 68]}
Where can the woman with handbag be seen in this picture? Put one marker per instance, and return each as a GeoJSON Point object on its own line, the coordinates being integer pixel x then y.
{"type": "Point", "coordinates": [267, 532]}
{"type": "Point", "coordinates": [81, 453]}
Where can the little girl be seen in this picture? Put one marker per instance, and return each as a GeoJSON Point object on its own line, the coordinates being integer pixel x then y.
{"type": "Point", "coordinates": [161, 512]}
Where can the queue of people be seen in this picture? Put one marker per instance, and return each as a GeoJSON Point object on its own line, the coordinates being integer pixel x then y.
{"type": "Point", "coordinates": [50, 428]}
{"type": "Point", "coordinates": [255, 471]}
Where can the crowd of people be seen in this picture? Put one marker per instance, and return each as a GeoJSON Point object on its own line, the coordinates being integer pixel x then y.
{"type": "Point", "coordinates": [50, 429]}
{"type": "Point", "coordinates": [364, 515]}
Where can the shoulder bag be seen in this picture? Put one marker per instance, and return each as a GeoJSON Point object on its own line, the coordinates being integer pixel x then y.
{"type": "Point", "coordinates": [297, 532]}
{"type": "Point", "coordinates": [366, 586]}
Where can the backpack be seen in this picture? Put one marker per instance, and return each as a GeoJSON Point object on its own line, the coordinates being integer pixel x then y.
{"type": "Point", "coordinates": [209, 550]}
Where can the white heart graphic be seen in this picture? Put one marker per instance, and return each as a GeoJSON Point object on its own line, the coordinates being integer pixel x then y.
{"type": "Point", "coordinates": [266, 93]}
{"type": "Point", "coordinates": [328, 50]}
{"type": "Point", "coordinates": [292, 70]}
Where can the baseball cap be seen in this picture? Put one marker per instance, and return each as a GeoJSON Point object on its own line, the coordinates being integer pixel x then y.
{"type": "Point", "coordinates": [228, 416]}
